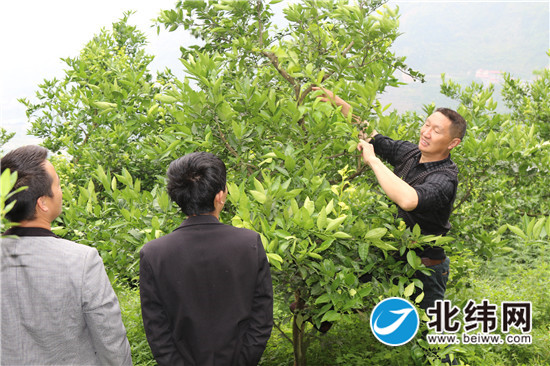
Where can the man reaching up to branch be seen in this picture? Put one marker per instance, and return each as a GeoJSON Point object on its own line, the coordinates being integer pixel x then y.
{"type": "Point", "coordinates": [423, 183]}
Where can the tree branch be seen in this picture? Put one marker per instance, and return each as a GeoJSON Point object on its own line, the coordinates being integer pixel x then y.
{"type": "Point", "coordinates": [468, 193]}
{"type": "Point", "coordinates": [275, 62]}
{"type": "Point", "coordinates": [357, 173]}
{"type": "Point", "coordinates": [337, 155]}
{"type": "Point", "coordinates": [283, 333]}
{"type": "Point", "coordinates": [228, 146]}
{"type": "Point", "coordinates": [305, 93]}
{"type": "Point", "coordinates": [346, 50]}
{"type": "Point", "coordinates": [260, 24]}
{"type": "Point", "coordinates": [353, 176]}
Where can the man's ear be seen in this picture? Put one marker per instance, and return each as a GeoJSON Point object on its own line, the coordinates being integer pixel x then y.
{"type": "Point", "coordinates": [454, 143]}
{"type": "Point", "coordinates": [220, 197]}
{"type": "Point", "coordinates": [41, 204]}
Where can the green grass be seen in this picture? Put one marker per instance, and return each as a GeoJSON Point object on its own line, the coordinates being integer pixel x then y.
{"type": "Point", "coordinates": [130, 306]}
{"type": "Point", "coordinates": [517, 277]}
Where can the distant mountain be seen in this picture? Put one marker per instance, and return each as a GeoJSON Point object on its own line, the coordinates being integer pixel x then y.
{"type": "Point", "coordinates": [468, 41]}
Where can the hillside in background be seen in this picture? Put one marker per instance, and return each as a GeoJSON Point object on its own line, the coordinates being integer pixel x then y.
{"type": "Point", "coordinates": [468, 41]}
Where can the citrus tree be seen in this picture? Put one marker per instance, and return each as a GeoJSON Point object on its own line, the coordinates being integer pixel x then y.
{"type": "Point", "coordinates": [295, 175]}
{"type": "Point", "coordinates": [100, 111]}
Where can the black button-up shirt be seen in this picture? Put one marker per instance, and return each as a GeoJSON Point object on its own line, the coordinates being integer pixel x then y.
{"type": "Point", "coordinates": [435, 183]}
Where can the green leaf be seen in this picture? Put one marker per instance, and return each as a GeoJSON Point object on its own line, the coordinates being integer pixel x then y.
{"type": "Point", "coordinates": [331, 316]}
{"type": "Point", "coordinates": [516, 230]}
{"type": "Point", "coordinates": [259, 196]}
{"type": "Point", "coordinates": [274, 257]}
{"type": "Point", "coordinates": [335, 223]}
{"type": "Point", "coordinates": [7, 181]}
{"type": "Point", "coordinates": [537, 228]}
{"type": "Point", "coordinates": [352, 146]}
{"type": "Point", "coordinates": [350, 279]}
{"type": "Point", "coordinates": [384, 246]}
{"type": "Point", "coordinates": [363, 250]}
{"type": "Point", "coordinates": [309, 205]}
{"type": "Point", "coordinates": [165, 98]}
{"type": "Point", "coordinates": [330, 206]}
{"type": "Point", "coordinates": [341, 235]}
{"type": "Point", "coordinates": [441, 240]}
{"type": "Point", "coordinates": [234, 192]}
{"type": "Point", "coordinates": [409, 290]}
{"type": "Point", "coordinates": [102, 177]}
{"type": "Point", "coordinates": [314, 255]}
{"type": "Point", "coordinates": [258, 185]}
{"type": "Point", "coordinates": [324, 298]}
{"type": "Point", "coordinates": [151, 111]}
{"type": "Point", "coordinates": [416, 231]}
{"type": "Point", "coordinates": [376, 233]}
{"type": "Point", "coordinates": [105, 105]}
{"type": "Point", "coordinates": [412, 259]}
{"type": "Point", "coordinates": [324, 246]}
{"type": "Point", "coordinates": [322, 219]}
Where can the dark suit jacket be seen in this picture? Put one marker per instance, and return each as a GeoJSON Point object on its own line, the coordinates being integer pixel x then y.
{"type": "Point", "coordinates": [206, 295]}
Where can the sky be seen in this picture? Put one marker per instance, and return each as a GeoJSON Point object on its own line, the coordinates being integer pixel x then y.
{"type": "Point", "coordinates": [36, 34]}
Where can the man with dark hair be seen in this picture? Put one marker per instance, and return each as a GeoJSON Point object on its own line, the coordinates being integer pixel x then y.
{"type": "Point", "coordinates": [423, 183]}
{"type": "Point", "coordinates": [206, 292]}
{"type": "Point", "coordinates": [58, 306]}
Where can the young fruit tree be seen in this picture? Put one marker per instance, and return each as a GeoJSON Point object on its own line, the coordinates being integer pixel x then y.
{"type": "Point", "coordinates": [295, 176]}
{"type": "Point", "coordinates": [294, 173]}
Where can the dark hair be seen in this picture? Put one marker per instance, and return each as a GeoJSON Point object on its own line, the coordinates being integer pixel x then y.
{"type": "Point", "coordinates": [28, 161]}
{"type": "Point", "coordinates": [194, 180]}
{"type": "Point", "coordinates": [458, 123]}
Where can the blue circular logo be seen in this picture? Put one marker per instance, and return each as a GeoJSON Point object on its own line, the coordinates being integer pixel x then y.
{"type": "Point", "coordinates": [394, 321]}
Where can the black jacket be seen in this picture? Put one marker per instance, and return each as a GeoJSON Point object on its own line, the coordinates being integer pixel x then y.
{"type": "Point", "coordinates": [206, 295]}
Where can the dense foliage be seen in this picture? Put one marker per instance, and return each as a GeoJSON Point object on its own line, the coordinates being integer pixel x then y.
{"type": "Point", "coordinates": [293, 171]}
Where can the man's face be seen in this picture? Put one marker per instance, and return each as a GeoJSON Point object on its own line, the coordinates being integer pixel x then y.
{"type": "Point", "coordinates": [54, 203]}
{"type": "Point", "coordinates": [435, 136]}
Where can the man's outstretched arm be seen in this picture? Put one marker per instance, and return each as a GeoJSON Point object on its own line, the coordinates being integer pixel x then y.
{"type": "Point", "coordinates": [329, 97]}
{"type": "Point", "coordinates": [395, 188]}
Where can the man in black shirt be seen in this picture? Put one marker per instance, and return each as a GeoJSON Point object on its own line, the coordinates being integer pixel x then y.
{"type": "Point", "coordinates": [423, 183]}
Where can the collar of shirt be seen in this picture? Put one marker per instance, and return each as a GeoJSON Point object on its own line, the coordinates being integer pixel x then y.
{"type": "Point", "coordinates": [431, 165]}
{"type": "Point", "coordinates": [29, 231]}
{"type": "Point", "coordinates": [199, 220]}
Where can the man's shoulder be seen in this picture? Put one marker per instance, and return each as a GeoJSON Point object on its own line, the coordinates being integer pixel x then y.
{"type": "Point", "coordinates": [56, 254]}
{"type": "Point", "coordinates": [72, 246]}
{"type": "Point", "coordinates": [240, 230]}
{"type": "Point", "coordinates": [399, 149]}
{"type": "Point", "coordinates": [445, 167]}
{"type": "Point", "coordinates": [181, 232]}
{"type": "Point", "coordinates": [51, 243]}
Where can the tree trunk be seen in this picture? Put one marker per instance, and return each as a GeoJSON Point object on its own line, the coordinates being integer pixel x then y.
{"type": "Point", "coordinates": [298, 332]}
